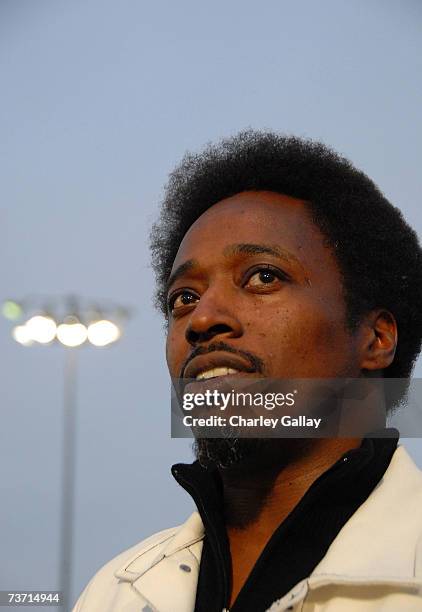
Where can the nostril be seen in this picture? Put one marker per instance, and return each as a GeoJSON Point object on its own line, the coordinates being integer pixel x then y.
{"type": "Point", "coordinates": [221, 328]}
{"type": "Point", "coordinates": [193, 337]}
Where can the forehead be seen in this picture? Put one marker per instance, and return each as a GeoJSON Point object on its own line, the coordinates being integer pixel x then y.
{"type": "Point", "coordinates": [259, 217]}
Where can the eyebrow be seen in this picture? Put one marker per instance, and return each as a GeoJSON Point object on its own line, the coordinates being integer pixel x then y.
{"type": "Point", "coordinates": [258, 249]}
{"type": "Point", "coordinates": [180, 271]}
{"type": "Point", "coordinates": [232, 250]}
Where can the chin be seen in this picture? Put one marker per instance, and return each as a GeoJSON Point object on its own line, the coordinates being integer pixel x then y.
{"type": "Point", "coordinates": [222, 452]}
{"type": "Point", "coordinates": [252, 454]}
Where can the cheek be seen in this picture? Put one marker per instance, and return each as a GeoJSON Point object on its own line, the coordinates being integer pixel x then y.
{"type": "Point", "coordinates": [176, 350]}
{"type": "Point", "coordinates": [305, 337]}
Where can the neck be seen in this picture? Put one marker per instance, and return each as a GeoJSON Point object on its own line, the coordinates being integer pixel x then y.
{"type": "Point", "coordinates": [259, 497]}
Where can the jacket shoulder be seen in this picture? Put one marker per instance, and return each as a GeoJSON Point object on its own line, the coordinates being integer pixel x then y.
{"type": "Point", "coordinates": [105, 580]}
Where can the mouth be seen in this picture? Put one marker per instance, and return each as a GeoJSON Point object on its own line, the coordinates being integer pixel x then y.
{"type": "Point", "coordinates": [215, 373]}
{"type": "Point", "coordinates": [216, 365]}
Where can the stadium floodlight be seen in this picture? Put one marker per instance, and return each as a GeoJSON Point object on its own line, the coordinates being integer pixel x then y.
{"type": "Point", "coordinates": [72, 332]}
{"type": "Point", "coordinates": [20, 334]}
{"type": "Point", "coordinates": [41, 328]}
{"type": "Point", "coordinates": [103, 332]}
{"type": "Point", "coordinates": [72, 327]}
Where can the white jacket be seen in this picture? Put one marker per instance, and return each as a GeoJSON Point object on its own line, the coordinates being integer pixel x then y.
{"type": "Point", "coordinates": [374, 563]}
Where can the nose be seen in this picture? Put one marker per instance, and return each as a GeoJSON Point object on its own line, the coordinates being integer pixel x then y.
{"type": "Point", "coordinates": [211, 320]}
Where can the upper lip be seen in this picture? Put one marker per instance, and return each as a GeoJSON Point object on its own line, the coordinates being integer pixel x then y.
{"type": "Point", "coordinates": [217, 359]}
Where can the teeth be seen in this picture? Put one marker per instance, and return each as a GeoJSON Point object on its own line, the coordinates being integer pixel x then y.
{"type": "Point", "coordinates": [215, 372]}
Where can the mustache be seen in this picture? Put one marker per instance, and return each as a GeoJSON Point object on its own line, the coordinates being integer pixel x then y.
{"type": "Point", "coordinates": [256, 363]}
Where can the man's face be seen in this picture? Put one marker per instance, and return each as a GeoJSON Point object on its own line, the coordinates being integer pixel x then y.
{"type": "Point", "coordinates": [258, 277]}
{"type": "Point", "coordinates": [257, 290]}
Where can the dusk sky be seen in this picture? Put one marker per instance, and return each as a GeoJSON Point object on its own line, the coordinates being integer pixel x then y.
{"type": "Point", "coordinates": [98, 102]}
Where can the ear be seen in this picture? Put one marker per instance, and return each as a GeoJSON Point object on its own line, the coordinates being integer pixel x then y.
{"type": "Point", "coordinates": [380, 338]}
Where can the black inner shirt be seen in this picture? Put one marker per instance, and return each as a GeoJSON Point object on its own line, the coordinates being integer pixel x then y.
{"type": "Point", "coordinates": [300, 541]}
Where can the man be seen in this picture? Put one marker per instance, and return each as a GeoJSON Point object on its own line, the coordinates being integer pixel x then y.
{"type": "Point", "coordinates": [276, 258]}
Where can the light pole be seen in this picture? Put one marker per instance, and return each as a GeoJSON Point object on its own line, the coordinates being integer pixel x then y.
{"type": "Point", "coordinates": [68, 475]}
{"type": "Point", "coordinates": [72, 326]}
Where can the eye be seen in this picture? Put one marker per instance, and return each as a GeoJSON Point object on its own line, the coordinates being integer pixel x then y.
{"type": "Point", "coordinates": [182, 299]}
{"type": "Point", "coordinates": [264, 278]}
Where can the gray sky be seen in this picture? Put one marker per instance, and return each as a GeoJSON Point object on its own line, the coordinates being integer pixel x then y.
{"type": "Point", "coordinates": [98, 102]}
